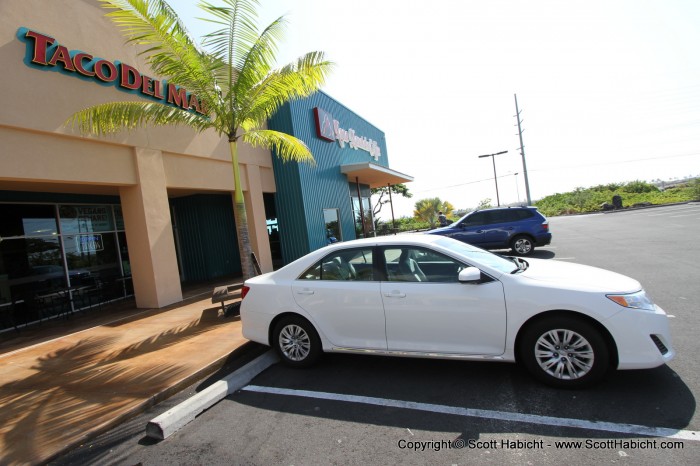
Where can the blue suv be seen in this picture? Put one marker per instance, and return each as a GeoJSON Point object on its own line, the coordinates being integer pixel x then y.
{"type": "Point", "coordinates": [518, 228]}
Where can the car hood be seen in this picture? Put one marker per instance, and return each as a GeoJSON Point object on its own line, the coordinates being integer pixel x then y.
{"type": "Point", "coordinates": [578, 277]}
{"type": "Point", "coordinates": [439, 230]}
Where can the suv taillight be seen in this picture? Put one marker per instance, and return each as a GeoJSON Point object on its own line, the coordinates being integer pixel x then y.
{"type": "Point", "coordinates": [545, 226]}
{"type": "Point", "coordinates": [244, 291]}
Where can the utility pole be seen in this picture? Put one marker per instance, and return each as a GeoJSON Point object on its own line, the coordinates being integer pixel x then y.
{"type": "Point", "coordinates": [522, 150]}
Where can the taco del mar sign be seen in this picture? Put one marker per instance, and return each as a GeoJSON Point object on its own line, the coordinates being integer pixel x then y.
{"type": "Point", "coordinates": [45, 52]}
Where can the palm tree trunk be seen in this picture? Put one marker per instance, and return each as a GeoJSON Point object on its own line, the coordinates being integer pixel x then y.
{"type": "Point", "coordinates": [239, 215]}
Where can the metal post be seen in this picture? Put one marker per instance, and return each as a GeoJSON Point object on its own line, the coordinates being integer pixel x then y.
{"type": "Point", "coordinates": [391, 203]}
{"type": "Point", "coordinates": [362, 211]}
{"type": "Point", "coordinates": [493, 158]}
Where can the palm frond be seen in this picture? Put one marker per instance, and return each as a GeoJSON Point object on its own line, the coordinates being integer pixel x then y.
{"type": "Point", "coordinates": [286, 146]}
{"type": "Point", "coordinates": [259, 59]}
{"type": "Point", "coordinates": [238, 33]}
{"type": "Point", "coordinates": [117, 116]}
{"type": "Point", "coordinates": [294, 81]}
{"type": "Point", "coordinates": [168, 48]}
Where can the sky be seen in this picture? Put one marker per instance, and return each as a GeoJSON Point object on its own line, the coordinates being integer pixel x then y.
{"type": "Point", "coordinates": [608, 91]}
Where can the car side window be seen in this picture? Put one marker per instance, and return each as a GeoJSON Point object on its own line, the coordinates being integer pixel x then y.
{"type": "Point", "coordinates": [478, 218]}
{"type": "Point", "coordinates": [415, 264]}
{"type": "Point", "coordinates": [344, 264]}
{"type": "Point", "coordinates": [524, 214]}
{"type": "Point", "coordinates": [510, 216]}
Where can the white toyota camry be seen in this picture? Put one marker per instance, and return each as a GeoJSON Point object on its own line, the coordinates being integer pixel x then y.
{"type": "Point", "coordinates": [435, 297]}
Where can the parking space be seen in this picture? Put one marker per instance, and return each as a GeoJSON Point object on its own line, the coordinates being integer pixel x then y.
{"type": "Point", "coordinates": [362, 410]}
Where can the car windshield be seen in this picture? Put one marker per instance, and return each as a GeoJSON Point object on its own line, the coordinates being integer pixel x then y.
{"type": "Point", "coordinates": [479, 256]}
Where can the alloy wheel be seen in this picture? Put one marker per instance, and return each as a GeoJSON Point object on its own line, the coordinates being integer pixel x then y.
{"type": "Point", "coordinates": [564, 354]}
{"type": "Point", "coordinates": [294, 342]}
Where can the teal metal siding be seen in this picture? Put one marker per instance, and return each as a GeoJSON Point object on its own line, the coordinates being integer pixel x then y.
{"type": "Point", "coordinates": [207, 240]}
{"type": "Point", "coordinates": [304, 190]}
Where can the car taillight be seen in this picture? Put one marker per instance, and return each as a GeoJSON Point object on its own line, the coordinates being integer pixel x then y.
{"type": "Point", "coordinates": [545, 226]}
{"type": "Point", "coordinates": [244, 291]}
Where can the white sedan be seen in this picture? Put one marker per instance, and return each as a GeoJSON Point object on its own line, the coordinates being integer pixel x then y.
{"type": "Point", "coordinates": [435, 297]}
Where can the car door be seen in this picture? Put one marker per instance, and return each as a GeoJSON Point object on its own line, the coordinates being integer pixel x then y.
{"type": "Point", "coordinates": [471, 229]}
{"type": "Point", "coordinates": [342, 297]}
{"type": "Point", "coordinates": [438, 314]}
{"type": "Point", "coordinates": [500, 228]}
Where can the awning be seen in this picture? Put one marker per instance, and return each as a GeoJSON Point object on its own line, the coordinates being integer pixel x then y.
{"type": "Point", "coordinates": [376, 176]}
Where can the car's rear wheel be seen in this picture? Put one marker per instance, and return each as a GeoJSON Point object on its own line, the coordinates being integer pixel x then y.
{"type": "Point", "coordinates": [296, 341]}
{"type": "Point", "coordinates": [522, 245]}
{"type": "Point", "coordinates": [564, 352]}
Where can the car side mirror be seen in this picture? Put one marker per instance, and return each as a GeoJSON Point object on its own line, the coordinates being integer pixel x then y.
{"type": "Point", "coordinates": [470, 275]}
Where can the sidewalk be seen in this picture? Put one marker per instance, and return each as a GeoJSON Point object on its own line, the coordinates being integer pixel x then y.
{"type": "Point", "coordinates": [57, 391]}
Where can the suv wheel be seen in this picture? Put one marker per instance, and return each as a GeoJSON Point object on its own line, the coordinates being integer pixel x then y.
{"type": "Point", "coordinates": [522, 245]}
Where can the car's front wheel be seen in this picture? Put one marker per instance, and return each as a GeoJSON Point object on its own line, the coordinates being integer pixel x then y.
{"type": "Point", "coordinates": [522, 245]}
{"type": "Point", "coordinates": [296, 341]}
{"type": "Point", "coordinates": [564, 352]}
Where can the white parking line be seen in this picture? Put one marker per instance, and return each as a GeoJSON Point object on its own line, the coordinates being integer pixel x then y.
{"type": "Point", "coordinates": [628, 429]}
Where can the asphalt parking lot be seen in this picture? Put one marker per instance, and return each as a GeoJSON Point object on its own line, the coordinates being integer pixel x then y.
{"type": "Point", "coordinates": [369, 410]}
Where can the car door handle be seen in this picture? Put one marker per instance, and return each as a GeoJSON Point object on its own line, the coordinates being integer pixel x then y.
{"type": "Point", "coordinates": [305, 292]}
{"type": "Point", "coordinates": [395, 294]}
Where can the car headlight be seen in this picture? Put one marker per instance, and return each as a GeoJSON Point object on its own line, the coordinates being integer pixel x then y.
{"type": "Point", "coordinates": [638, 300]}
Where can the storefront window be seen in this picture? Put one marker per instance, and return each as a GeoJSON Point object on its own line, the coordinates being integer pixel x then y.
{"type": "Point", "coordinates": [119, 217]}
{"type": "Point", "coordinates": [331, 220]}
{"type": "Point", "coordinates": [85, 218]}
{"type": "Point", "coordinates": [363, 217]}
{"type": "Point", "coordinates": [27, 220]}
{"type": "Point", "coordinates": [34, 254]}
{"type": "Point", "coordinates": [29, 265]}
{"type": "Point", "coordinates": [91, 256]}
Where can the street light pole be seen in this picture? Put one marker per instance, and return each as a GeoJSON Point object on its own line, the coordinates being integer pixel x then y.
{"type": "Point", "coordinates": [493, 159]}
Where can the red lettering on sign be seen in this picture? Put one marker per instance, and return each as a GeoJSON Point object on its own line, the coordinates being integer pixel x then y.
{"type": "Point", "coordinates": [177, 96]}
{"type": "Point", "coordinates": [156, 90]}
{"type": "Point", "coordinates": [194, 104]}
{"type": "Point", "coordinates": [79, 66]}
{"type": "Point", "coordinates": [131, 78]}
{"type": "Point", "coordinates": [100, 71]}
{"type": "Point", "coordinates": [62, 55]}
{"type": "Point", "coordinates": [146, 85]}
{"type": "Point", "coordinates": [41, 42]}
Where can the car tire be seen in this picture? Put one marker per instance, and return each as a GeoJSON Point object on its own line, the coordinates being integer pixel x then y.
{"type": "Point", "coordinates": [296, 342]}
{"type": "Point", "coordinates": [564, 352]}
{"type": "Point", "coordinates": [522, 245]}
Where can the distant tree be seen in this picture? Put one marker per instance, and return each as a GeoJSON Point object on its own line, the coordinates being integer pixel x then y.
{"type": "Point", "coordinates": [484, 204]}
{"type": "Point", "coordinates": [427, 210]}
{"type": "Point", "coordinates": [448, 209]}
{"type": "Point", "coordinates": [384, 198]}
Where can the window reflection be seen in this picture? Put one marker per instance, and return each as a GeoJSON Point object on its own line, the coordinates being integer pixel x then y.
{"type": "Point", "coordinates": [37, 281]}
{"type": "Point", "coordinates": [30, 265]}
{"type": "Point", "coordinates": [331, 221]}
{"type": "Point", "coordinates": [27, 220]}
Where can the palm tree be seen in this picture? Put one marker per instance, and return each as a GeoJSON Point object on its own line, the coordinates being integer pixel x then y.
{"type": "Point", "coordinates": [233, 78]}
{"type": "Point", "coordinates": [427, 210]}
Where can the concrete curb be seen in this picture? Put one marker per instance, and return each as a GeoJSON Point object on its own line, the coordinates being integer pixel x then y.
{"type": "Point", "coordinates": [170, 421]}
